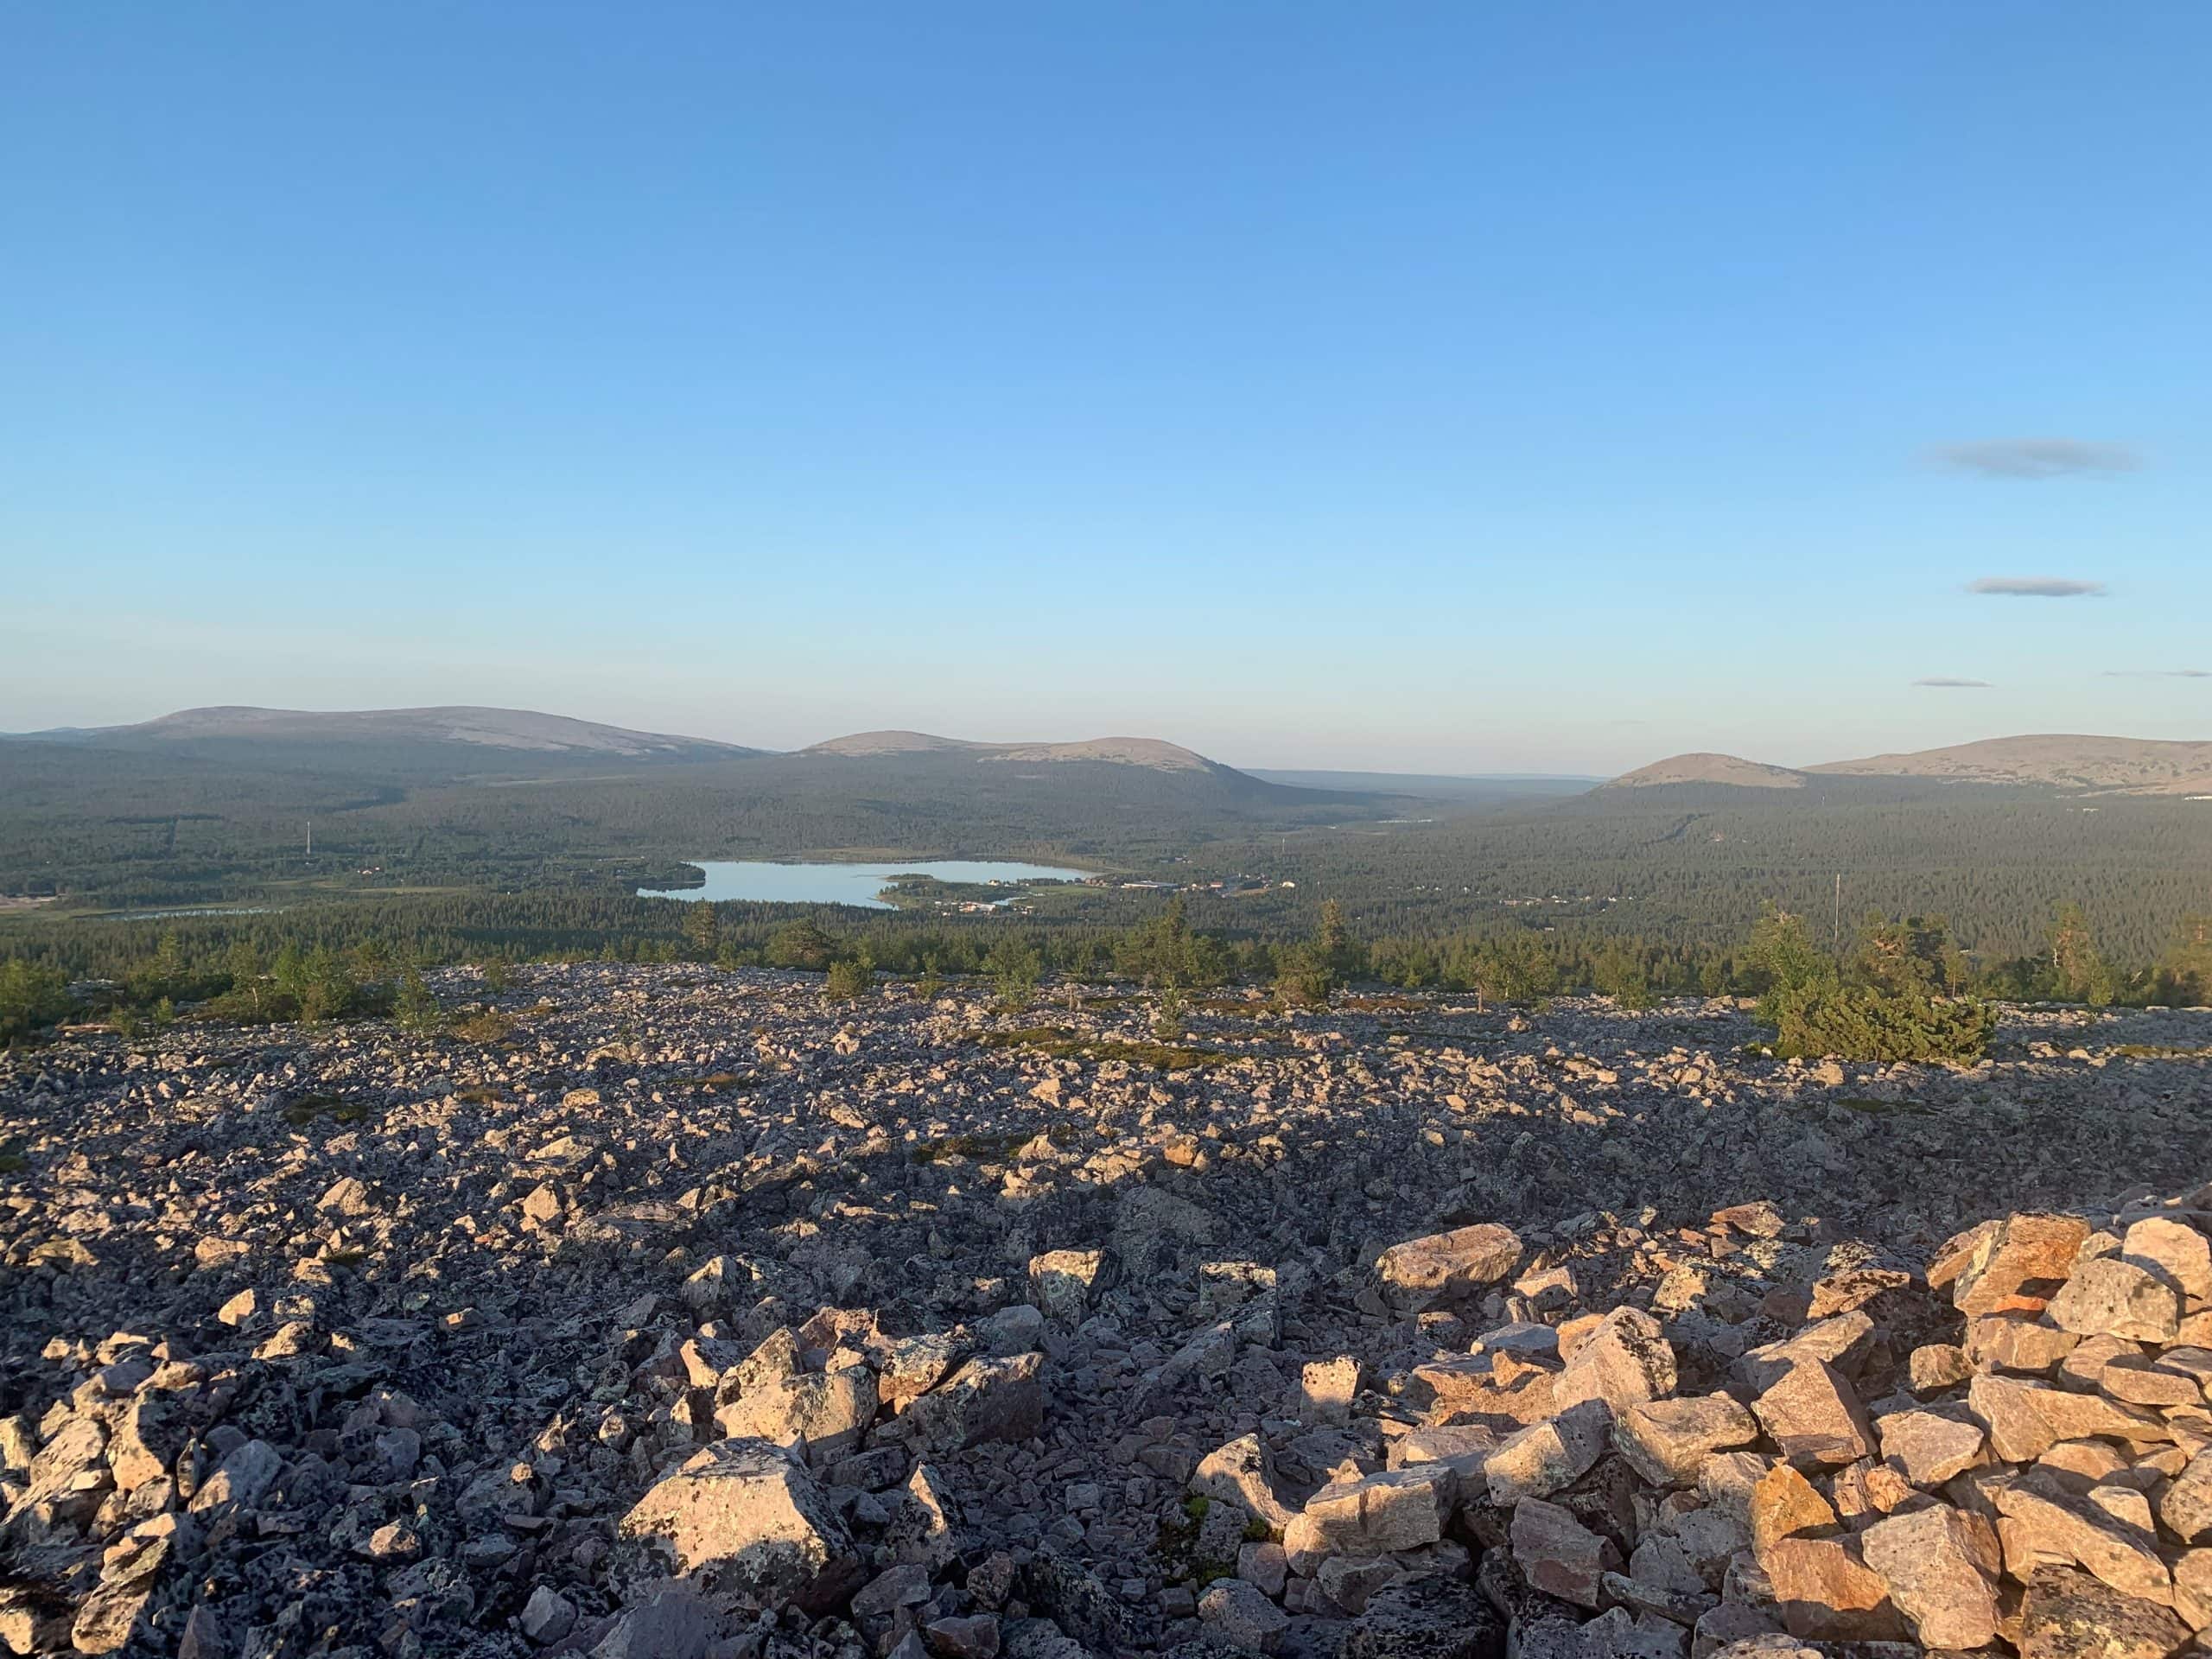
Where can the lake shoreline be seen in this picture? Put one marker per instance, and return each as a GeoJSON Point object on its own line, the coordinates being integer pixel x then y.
{"type": "Point", "coordinates": [856, 884]}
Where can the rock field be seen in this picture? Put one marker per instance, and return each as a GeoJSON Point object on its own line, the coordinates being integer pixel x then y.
{"type": "Point", "coordinates": [690, 1316]}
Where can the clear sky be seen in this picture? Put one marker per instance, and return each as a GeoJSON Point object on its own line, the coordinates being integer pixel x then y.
{"type": "Point", "coordinates": [1441, 386]}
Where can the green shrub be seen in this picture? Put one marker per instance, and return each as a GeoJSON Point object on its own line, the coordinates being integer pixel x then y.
{"type": "Point", "coordinates": [850, 979]}
{"type": "Point", "coordinates": [413, 1006]}
{"type": "Point", "coordinates": [1891, 1004]}
{"type": "Point", "coordinates": [30, 997]}
{"type": "Point", "coordinates": [1014, 966]}
{"type": "Point", "coordinates": [1302, 978]}
{"type": "Point", "coordinates": [1867, 1022]}
{"type": "Point", "coordinates": [1168, 1015]}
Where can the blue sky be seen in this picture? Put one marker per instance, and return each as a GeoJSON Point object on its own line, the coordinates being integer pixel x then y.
{"type": "Point", "coordinates": [1451, 387]}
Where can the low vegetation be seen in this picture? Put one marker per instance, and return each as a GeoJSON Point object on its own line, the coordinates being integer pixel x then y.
{"type": "Point", "coordinates": [1904, 991]}
{"type": "Point", "coordinates": [1901, 995]}
{"type": "Point", "coordinates": [1058, 1043]}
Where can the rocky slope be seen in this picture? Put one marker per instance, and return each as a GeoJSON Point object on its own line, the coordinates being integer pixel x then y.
{"type": "Point", "coordinates": [693, 1318]}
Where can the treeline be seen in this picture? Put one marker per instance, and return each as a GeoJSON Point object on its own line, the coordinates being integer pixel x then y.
{"type": "Point", "coordinates": [331, 960]}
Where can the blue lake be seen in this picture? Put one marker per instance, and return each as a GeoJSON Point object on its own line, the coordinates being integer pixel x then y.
{"type": "Point", "coordinates": [844, 884]}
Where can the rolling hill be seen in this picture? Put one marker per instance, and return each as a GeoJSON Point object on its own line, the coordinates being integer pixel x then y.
{"type": "Point", "coordinates": [1150, 752]}
{"type": "Point", "coordinates": [216, 802]}
{"type": "Point", "coordinates": [1727, 770]}
{"type": "Point", "coordinates": [241, 729]}
{"type": "Point", "coordinates": [2131, 765]}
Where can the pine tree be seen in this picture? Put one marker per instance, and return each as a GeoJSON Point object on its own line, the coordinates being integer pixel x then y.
{"type": "Point", "coordinates": [413, 1007]}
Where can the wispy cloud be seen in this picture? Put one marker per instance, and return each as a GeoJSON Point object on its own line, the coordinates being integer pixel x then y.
{"type": "Point", "coordinates": [1939, 683]}
{"type": "Point", "coordinates": [2034, 457]}
{"type": "Point", "coordinates": [2036, 587]}
{"type": "Point", "coordinates": [2158, 673]}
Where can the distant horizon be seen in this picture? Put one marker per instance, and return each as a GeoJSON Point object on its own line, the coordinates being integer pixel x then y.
{"type": "Point", "coordinates": [1481, 775]}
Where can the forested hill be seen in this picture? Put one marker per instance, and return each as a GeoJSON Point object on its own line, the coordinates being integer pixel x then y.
{"type": "Point", "coordinates": [373, 744]}
{"type": "Point", "coordinates": [2120, 765]}
{"type": "Point", "coordinates": [191, 818]}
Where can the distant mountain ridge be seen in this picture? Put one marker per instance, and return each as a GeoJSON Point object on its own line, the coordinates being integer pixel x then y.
{"type": "Point", "coordinates": [519, 730]}
{"type": "Point", "coordinates": [1731, 770]}
{"type": "Point", "coordinates": [1152, 752]}
{"type": "Point", "coordinates": [461, 741]}
{"type": "Point", "coordinates": [2133, 766]}
{"type": "Point", "coordinates": [528, 731]}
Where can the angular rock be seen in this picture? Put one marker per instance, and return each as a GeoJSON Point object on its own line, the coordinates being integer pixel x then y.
{"type": "Point", "coordinates": [2174, 1251]}
{"type": "Point", "coordinates": [1560, 1555]}
{"type": "Point", "coordinates": [1927, 1447]}
{"type": "Point", "coordinates": [1325, 1390]}
{"type": "Point", "coordinates": [1546, 1457]}
{"type": "Point", "coordinates": [975, 1635]}
{"type": "Point", "coordinates": [1934, 1366]}
{"type": "Point", "coordinates": [924, 1527]}
{"type": "Point", "coordinates": [2020, 1261]}
{"type": "Point", "coordinates": [547, 1616]}
{"type": "Point", "coordinates": [1814, 1416]}
{"type": "Point", "coordinates": [2112, 1297]}
{"type": "Point", "coordinates": [1841, 1342]}
{"type": "Point", "coordinates": [742, 1517]}
{"type": "Point", "coordinates": [1243, 1473]}
{"type": "Point", "coordinates": [2185, 1506]}
{"type": "Point", "coordinates": [1626, 1360]}
{"type": "Point", "coordinates": [2068, 1614]}
{"type": "Point", "coordinates": [1241, 1614]}
{"type": "Point", "coordinates": [1940, 1572]}
{"type": "Point", "coordinates": [2044, 1520]}
{"type": "Point", "coordinates": [1422, 1273]}
{"type": "Point", "coordinates": [1400, 1509]}
{"type": "Point", "coordinates": [673, 1623]}
{"type": "Point", "coordinates": [825, 1414]}
{"type": "Point", "coordinates": [118, 1611]}
{"type": "Point", "coordinates": [2017, 1342]}
{"type": "Point", "coordinates": [1827, 1592]}
{"type": "Point", "coordinates": [1667, 1441]}
{"type": "Point", "coordinates": [986, 1399]}
{"type": "Point", "coordinates": [1348, 1581]}
{"type": "Point", "coordinates": [1263, 1564]}
{"type": "Point", "coordinates": [1617, 1634]}
{"type": "Point", "coordinates": [240, 1479]}
{"type": "Point", "coordinates": [2010, 1413]}
{"type": "Point", "coordinates": [1783, 1503]}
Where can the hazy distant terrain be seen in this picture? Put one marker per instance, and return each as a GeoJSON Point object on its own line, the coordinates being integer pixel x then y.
{"type": "Point", "coordinates": [2123, 764]}
{"type": "Point", "coordinates": [2135, 764]}
{"type": "Point", "coordinates": [214, 806]}
{"type": "Point", "coordinates": [1147, 752]}
{"type": "Point", "coordinates": [217, 804]}
{"type": "Point", "coordinates": [1427, 786]}
{"type": "Point", "coordinates": [435, 741]}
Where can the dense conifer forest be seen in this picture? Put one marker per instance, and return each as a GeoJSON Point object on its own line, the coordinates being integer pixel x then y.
{"type": "Point", "coordinates": [199, 857]}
